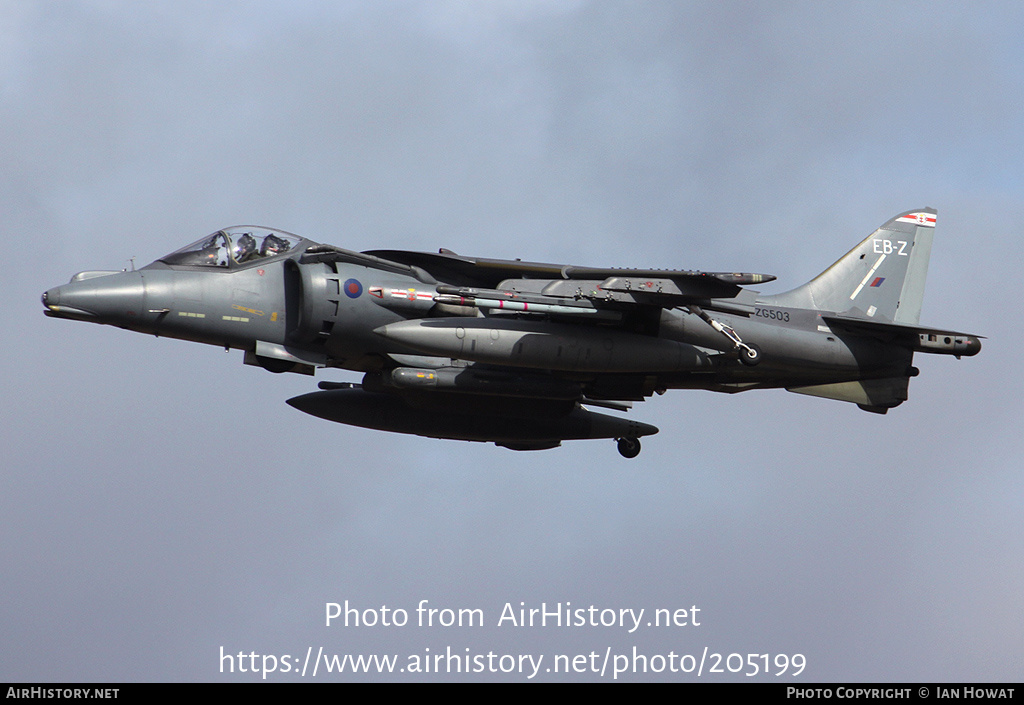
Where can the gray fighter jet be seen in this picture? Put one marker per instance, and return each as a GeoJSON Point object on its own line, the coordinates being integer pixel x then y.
{"type": "Point", "coordinates": [515, 352]}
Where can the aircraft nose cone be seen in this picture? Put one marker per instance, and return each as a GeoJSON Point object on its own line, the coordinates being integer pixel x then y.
{"type": "Point", "coordinates": [102, 297]}
{"type": "Point", "coordinates": [51, 297]}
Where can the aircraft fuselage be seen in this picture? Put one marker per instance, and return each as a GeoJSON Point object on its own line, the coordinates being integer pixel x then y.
{"type": "Point", "coordinates": [508, 351]}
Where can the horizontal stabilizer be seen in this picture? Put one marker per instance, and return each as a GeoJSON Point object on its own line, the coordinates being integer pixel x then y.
{"type": "Point", "coordinates": [917, 338]}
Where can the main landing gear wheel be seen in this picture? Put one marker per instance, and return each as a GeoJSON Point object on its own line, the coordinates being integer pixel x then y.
{"type": "Point", "coordinates": [750, 354]}
{"type": "Point", "coordinates": [629, 447]}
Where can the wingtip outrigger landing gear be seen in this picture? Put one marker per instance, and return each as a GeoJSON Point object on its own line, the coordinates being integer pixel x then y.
{"type": "Point", "coordinates": [628, 447]}
{"type": "Point", "coordinates": [749, 353]}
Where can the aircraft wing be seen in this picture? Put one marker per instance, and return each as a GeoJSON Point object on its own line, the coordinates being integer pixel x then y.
{"type": "Point", "coordinates": [446, 266]}
{"type": "Point", "coordinates": [330, 253]}
{"type": "Point", "coordinates": [657, 287]}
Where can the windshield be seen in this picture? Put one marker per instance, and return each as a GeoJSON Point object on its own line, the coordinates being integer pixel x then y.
{"type": "Point", "coordinates": [234, 246]}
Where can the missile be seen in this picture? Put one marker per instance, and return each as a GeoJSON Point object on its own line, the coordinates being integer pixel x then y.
{"type": "Point", "coordinates": [509, 305]}
{"type": "Point", "coordinates": [402, 298]}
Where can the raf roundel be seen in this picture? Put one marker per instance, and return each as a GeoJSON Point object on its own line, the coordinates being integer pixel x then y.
{"type": "Point", "coordinates": [353, 289]}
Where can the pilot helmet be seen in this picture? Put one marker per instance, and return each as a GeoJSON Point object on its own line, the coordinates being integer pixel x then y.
{"type": "Point", "coordinates": [244, 247]}
{"type": "Point", "coordinates": [273, 245]}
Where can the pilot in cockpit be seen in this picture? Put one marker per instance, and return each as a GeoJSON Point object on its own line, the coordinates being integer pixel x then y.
{"type": "Point", "coordinates": [245, 248]}
{"type": "Point", "coordinates": [234, 246]}
{"type": "Point", "coordinates": [273, 245]}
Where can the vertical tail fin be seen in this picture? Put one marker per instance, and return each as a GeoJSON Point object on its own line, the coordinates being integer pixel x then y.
{"type": "Point", "coordinates": [883, 277]}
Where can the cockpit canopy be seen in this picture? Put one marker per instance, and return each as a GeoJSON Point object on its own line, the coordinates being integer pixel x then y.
{"type": "Point", "coordinates": [235, 246]}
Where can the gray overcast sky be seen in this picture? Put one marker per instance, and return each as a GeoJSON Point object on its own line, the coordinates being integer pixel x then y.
{"type": "Point", "coordinates": [160, 501]}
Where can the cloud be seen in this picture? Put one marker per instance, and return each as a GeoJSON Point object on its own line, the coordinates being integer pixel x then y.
{"type": "Point", "coordinates": [162, 500]}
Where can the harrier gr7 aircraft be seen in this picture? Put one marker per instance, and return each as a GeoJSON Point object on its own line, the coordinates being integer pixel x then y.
{"type": "Point", "coordinates": [517, 353]}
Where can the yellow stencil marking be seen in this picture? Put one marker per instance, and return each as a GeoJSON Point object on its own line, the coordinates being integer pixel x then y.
{"type": "Point", "coordinates": [248, 310]}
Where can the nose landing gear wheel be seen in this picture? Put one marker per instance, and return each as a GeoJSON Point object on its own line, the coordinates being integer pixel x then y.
{"type": "Point", "coordinates": [629, 447]}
